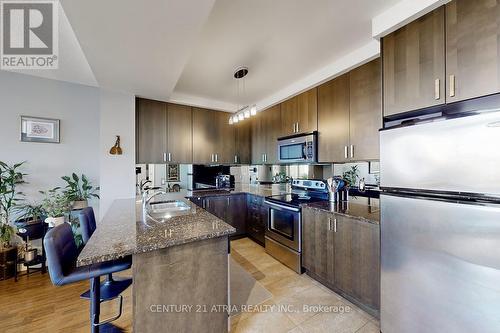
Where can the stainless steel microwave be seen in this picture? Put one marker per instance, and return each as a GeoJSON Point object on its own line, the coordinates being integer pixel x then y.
{"type": "Point", "coordinates": [298, 149]}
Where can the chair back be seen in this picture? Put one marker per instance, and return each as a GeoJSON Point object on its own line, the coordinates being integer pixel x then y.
{"type": "Point", "coordinates": [87, 223]}
{"type": "Point", "coordinates": [61, 251]}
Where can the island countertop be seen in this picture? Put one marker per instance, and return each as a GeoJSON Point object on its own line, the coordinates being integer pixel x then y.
{"type": "Point", "coordinates": [125, 230]}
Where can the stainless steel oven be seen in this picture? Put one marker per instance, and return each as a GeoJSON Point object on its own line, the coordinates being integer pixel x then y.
{"type": "Point", "coordinates": [284, 225]}
{"type": "Point", "coordinates": [283, 234]}
{"type": "Point", "coordinates": [296, 149]}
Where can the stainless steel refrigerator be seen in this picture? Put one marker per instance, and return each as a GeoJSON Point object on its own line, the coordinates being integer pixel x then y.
{"type": "Point", "coordinates": [440, 226]}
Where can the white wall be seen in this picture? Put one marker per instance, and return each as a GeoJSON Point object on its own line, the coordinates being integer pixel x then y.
{"type": "Point", "coordinates": [90, 119]}
{"type": "Point", "coordinates": [77, 107]}
{"type": "Point", "coordinates": [117, 172]}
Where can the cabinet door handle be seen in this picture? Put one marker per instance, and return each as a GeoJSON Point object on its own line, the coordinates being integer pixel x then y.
{"type": "Point", "coordinates": [212, 157]}
{"type": "Point", "coordinates": [452, 85]}
{"type": "Point", "coordinates": [437, 89]}
{"type": "Point", "coordinates": [169, 157]}
{"type": "Point", "coordinates": [346, 156]}
{"type": "Point", "coordinates": [297, 127]}
{"type": "Point", "coordinates": [329, 224]}
{"type": "Point", "coordinates": [216, 157]}
{"type": "Point", "coordinates": [164, 157]}
{"type": "Point", "coordinates": [294, 128]}
{"type": "Point", "coordinates": [235, 158]}
{"type": "Point", "coordinates": [352, 151]}
{"type": "Point", "coordinates": [334, 225]}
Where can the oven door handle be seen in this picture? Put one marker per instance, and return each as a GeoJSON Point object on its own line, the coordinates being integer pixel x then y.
{"type": "Point", "coordinates": [281, 207]}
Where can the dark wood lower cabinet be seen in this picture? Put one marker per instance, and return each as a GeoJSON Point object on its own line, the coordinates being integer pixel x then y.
{"type": "Point", "coordinates": [317, 244]}
{"type": "Point", "coordinates": [237, 213]}
{"type": "Point", "coordinates": [344, 254]}
{"type": "Point", "coordinates": [234, 209]}
{"type": "Point", "coordinates": [256, 218]}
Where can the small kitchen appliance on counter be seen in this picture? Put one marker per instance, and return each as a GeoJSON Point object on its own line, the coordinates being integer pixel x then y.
{"type": "Point", "coordinates": [284, 224]}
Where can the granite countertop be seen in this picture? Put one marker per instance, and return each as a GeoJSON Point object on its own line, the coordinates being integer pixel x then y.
{"type": "Point", "coordinates": [125, 230]}
{"type": "Point", "coordinates": [366, 209]}
{"type": "Point", "coordinates": [255, 189]}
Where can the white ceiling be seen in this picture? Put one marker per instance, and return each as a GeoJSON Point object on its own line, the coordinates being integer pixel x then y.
{"type": "Point", "coordinates": [73, 66]}
{"type": "Point", "coordinates": [281, 41]}
{"type": "Point", "coordinates": [186, 50]}
{"type": "Point", "coordinates": [137, 46]}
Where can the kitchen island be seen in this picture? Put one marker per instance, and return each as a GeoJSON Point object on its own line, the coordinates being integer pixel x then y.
{"type": "Point", "coordinates": [180, 264]}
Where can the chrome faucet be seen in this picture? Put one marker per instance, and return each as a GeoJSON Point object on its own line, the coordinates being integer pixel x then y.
{"type": "Point", "coordinates": [146, 199]}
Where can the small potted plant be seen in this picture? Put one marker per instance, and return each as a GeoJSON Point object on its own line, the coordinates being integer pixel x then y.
{"type": "Point", "coordinates": [55, 205]}
{"type": "Point", "coordinates": [29, 213]}
{"type": "Point", "coordinates": [10, 178]}
{"type": "Point", "coordinates": [79, 190]}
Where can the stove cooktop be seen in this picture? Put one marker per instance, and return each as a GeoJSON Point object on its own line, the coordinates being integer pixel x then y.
{"type": "Point", "coordinates": [294, 199]}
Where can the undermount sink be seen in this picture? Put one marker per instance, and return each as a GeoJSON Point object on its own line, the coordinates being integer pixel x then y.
{"type": "Point", "coordinates": [163, 210]}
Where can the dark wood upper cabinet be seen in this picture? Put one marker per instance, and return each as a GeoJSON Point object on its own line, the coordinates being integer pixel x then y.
{"type": "Point", "coordinates": [472, 49]}
{"type": "Point", "coordinates": [243, 142]}
{"type": "Point", "coordinates": [299, 114]}
{"type": "Point", "coordinates": [179, 134]}
{"type": "Point", "coordinates": [365, 111]}
{"type": "Point", "coordinates": [272, 128]}
{"type": "Point", "coordinates": [266, 128]}
{"type": "Point", "coordinates": [205, 126]}
{"type": "Point", "coordinates": [225, 139]}
{"type": "Point", "coordinates": [151, 131]}
{"type": "Point", "coordinates": [333, 120]}
{"type": "Point", "coordinates": [258, 138]}
{"type": "Point", "coordinates": [413, 60]}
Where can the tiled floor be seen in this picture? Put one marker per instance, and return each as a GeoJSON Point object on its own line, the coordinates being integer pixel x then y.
{"type": "Point", "coordinates": [295, 305]}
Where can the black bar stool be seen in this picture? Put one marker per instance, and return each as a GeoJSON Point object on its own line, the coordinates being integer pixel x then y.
{"type": "Point", "coordinates": [87, 226]}
{"type": "Point", "coordinates": [62, 254]}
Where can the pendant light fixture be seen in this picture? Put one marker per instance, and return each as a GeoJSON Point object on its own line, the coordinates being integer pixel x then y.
{"type": "Point", "coordinates": [245, 112]}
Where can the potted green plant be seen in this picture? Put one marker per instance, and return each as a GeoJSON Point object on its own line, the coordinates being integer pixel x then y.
{"type": "Point", "coordinates": [351, 176]}
{"type": "Point", "coordinates": [55, 205]}
{"type": "Point", "coordinates": [10, 178]}
{"type": "Point", "coordinates": [29, 213]}
{"type": "Point", "coordinates": [79, 190]}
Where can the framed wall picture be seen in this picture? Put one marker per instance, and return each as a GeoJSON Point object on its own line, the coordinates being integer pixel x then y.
{"type": "Point", "coordinates": [34, 129]}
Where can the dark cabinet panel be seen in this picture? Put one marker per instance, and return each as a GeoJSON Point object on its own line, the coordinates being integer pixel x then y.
{"type": "Point", "coordinates": [317, 244]}
{"type": "Point", "coordinates": [299, 114]}
{"type": "Point", "coordinates": [218, 206]}
{"type": "Point", "coordinates": [414, 65]}
{"type": "Point", "coordinates": [307, 116]}
{"type": "Point", "coordinates": [243, 142]}
{"type": "Point", "coordinates": [333, 120]}
{"type": "Point", "coordinates": [258, 138]}
{"type": "Point", "coordinates": [357, 260]}
{"type": "Point", "coordinates": [272, 128]}
{"type": "Point", "coordinates": [180, 134]}
{"type": "Point", "coordinates": [365, 118]}
{"type": "Point", "coordinates": [266, 128]}
{"type": "Point", "coordinates": [225, 138]}
{"type": "Point", "coordinates": [238, 213]}
{"type": "Point", "coordinates": [289, 116]}
{"type": "Point", "coordinates": [343, 253]}
{"type": "Point", "coordinates": [151, 131]}
{"type": "Point", "coordinates": [205, 126]}
{"type": "Point", "coordinates": [256, 218]}
{"type": "Point", "coordinates": [472, 49]}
